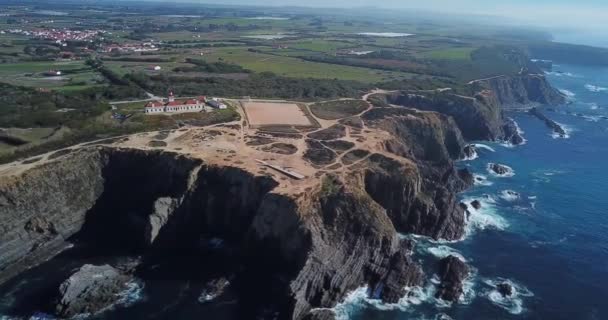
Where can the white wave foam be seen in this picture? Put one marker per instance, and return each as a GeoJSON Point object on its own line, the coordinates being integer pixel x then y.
{"type": "Point", "coordinates": [562, 74]}
{"type": "Point", "coordinates": [473, 156]}
{"type": "Point", "coordinates": [483, 218]}
{"type": "Point", "coordinates": [483, 146]}
{"type": "Point", "coordinates": [509, 195]}
{"type": "Point", "coordinates": [133, 294]}
{"type": "Point", "coordinates": [443, 251]}
{"type": "Point", "coordinates": [569, 94]}
{"type": "Point", "coordinates": [593, 88]}
{"type": "Point", "coordinates": [514, 304]}
{"type": "Point", "coordinates": [358, 300]}
{"type": "Point", "coordinates": [481, 180]}
{"type": "Point", "coordinates": [521, 132]}
{"type": "Point", "coordinates": [566, 128]}
{"type": "Point", "coordinates": [510, 172]}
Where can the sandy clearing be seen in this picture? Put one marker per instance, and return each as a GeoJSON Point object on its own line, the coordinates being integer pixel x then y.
{"type": "Point", "coordinates": [272, 113]}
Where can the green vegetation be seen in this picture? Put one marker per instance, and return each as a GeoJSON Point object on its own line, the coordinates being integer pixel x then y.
{"type": "Point", "coordinates": [451, 54]}
{"type": "Point", "coordinates": [218, 51]}
{"type": "Point", "coordinates": [211, 67]}
{"type": "Point", "coordinates": [330, 185]}
{"type": "Point", "coordinates": [298, 68]}
{"type": "Point", "coordinates": [338, 109]}
{"type": "Point", "coordinates": [262, 85]}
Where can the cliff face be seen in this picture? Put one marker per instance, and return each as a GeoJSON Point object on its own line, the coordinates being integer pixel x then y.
{"type": "Point", "coordinates": [480, 116]}
{"type": "Point", "coordinates": [312, 247]}
{"type": "Point", "coordinates": [521, 90]}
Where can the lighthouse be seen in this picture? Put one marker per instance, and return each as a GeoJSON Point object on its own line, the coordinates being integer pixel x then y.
{"type": "Point", "coordinates": [171, 97]}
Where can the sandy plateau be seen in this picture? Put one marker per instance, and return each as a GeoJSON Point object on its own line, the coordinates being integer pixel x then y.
{"type": "Point", "coordinates": [240, 144]}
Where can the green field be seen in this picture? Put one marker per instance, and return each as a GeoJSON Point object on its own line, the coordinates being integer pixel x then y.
{"type": "Point", "coordinates": [451, 54]}
{"type": "Point", "coordinates": [294, 67]}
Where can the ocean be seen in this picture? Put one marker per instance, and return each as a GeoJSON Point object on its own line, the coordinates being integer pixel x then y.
{"type": "Point", "coordinates": [543, 229]}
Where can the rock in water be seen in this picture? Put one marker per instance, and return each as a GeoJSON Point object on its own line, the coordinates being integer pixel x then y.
{"type": "Point", "coordinates": [213, 289]}
{"type": "Point", "coordinates": [512, 133]}
{"type": "Point", "coordinates": [499, 169]}
{"type": "Point", "coordinates": [452, 272]}
{"type": "Point", "coordinates": [505, 289]}
{"type": "Point", "coordinates": [476, 204]}
{"type": "Point", "coordinates": [469, 151]}
{"type": "Point", "coordinates": [89, 290]}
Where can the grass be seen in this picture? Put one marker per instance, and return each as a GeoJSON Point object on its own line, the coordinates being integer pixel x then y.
{"type": "Point", "coordinates": [325, 46]}
{"type": "Point", "coordinates": [32, 137]}
{"type": "Point", "coordinates": [294, 67]}
{"type": "Point", "coordinates": [28, 74]}
{"type": "Point", "coordinates": [338, 109]}
{"type": "Point", "coordinates": [33, 67]}
{"type": "Point", "coordinates": [451, 54]}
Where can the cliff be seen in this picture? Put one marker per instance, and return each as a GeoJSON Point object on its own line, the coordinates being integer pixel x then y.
{"type": "Point", "coordinates": [293, 246]}
{"type": "Point", "coordinates": [306, 248]}
{"type": "Point", "coordinates": [480, 114]}
{"type": "Point", "coordinates": [521, 90]}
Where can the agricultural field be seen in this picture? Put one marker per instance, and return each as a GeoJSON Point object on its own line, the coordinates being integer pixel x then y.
{"type": "Point", "coordinates": [315, 57]}
{"type": "Point", "coordinates": [74, 75]}
{"type": "Point", "coordinates": [451, 54]}
{"type": "Point", "coordinates": [294, 67]}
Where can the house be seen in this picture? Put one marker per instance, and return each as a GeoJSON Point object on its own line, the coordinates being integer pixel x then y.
{"type": "Point", "coordinates": [171, 105]}
{"type": "Point", "coordinates": [214, 103]}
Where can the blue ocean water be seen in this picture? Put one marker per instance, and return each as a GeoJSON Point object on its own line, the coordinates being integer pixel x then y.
{"type": "Point", "coordinates": [549, 238]}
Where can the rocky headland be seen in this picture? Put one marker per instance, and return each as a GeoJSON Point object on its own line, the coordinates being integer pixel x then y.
{"type": "Point", "coordinates": [297, 246]}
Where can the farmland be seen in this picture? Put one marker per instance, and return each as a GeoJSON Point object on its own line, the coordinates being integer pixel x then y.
{"type": "Point", "coordinates": [305, 56]}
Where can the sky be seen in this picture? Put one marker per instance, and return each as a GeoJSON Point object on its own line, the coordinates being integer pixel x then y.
{"type": "Point", "coordinates": [586, 14]}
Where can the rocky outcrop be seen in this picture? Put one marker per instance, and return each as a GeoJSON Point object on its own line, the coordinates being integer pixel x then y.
{"type": "Point", "coordinates": [556, 127]}
{"type": "Point", "coordinates": [521, 90]}
{"type": "Point", "coordinates": [452, 273]}
{"type": "Point", "coordinates": [511, 132]}
{"type": "Point", "coordinates": [505, 289]}
{"type": "Point", "coordinates": [89, 290]}
{"type": "Point", "coordinates": [291, 252]}
{"type": "Point", "coordinates": [304, 251]}
{"type": "Point", "coordinates": [479, 114]}
{"type": "Point", "coordinates": [500, 169]}
{"type": "Point", "coordinates": [478, 117]}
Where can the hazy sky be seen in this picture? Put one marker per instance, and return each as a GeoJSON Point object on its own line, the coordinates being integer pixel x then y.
{"type": "Point", "coordinates": [589, 14]}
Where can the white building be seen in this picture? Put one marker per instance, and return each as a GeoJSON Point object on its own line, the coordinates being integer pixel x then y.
{"type": "Point", "coordinates": [176, 106]}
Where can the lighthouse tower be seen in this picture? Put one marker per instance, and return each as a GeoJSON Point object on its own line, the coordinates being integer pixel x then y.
{"type": "Point", "coordinates": [171, 97]}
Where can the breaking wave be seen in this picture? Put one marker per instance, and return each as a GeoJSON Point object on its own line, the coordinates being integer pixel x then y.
{"type": "Point", "coordinates": [483, 146]}
{"type": "Point", "coordinates": [509, 195]}
{"type": "Point", "coordinates": [443, 251]}
{"type": "Point", "coordinates": [569, 94]}
{"type": "Point", "coordinates": [514, 304]}
{"type": "Point", "coordinates": [593, 88]}
{"type": "Point", "coordinates": [486, 217]}
{"type": "Point", "coordinates": [481, 180]}
{"type": "Point", "coordinates": [510, 172]}
{"type": "Point", "coordinates": [133, 294]}
{"type": "Point", "coordinates": [566, 128]}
